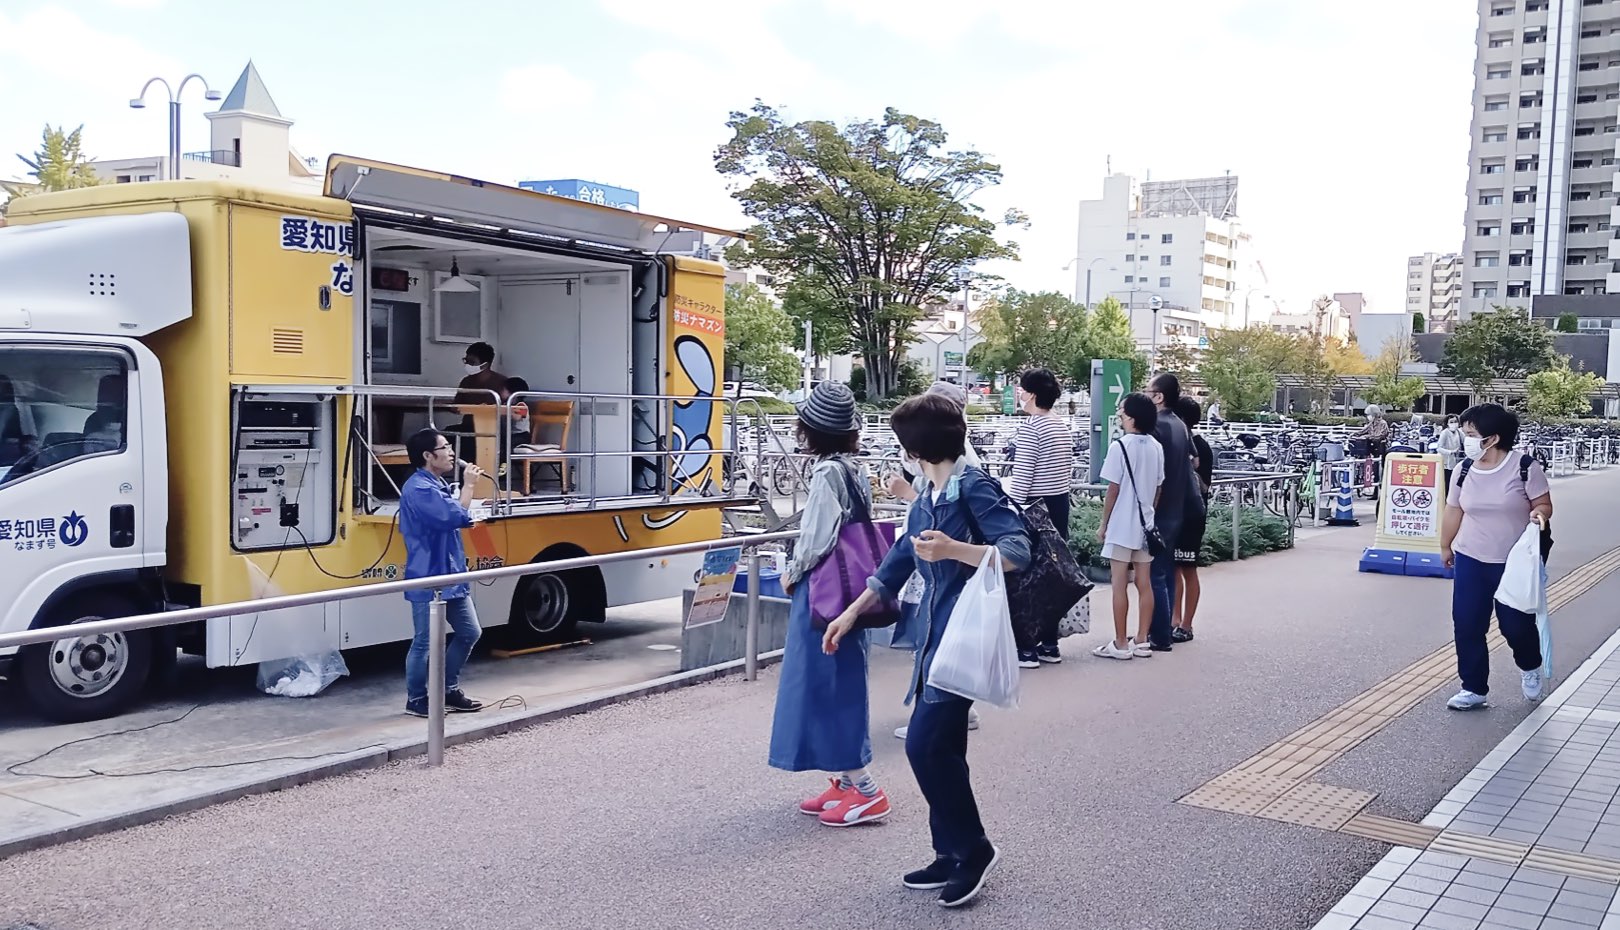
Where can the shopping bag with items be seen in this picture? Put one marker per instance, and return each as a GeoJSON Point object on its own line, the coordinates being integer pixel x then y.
{"type": "Point", "coordinates": [977, 657]}
{"type": "Point", "coordinates": [1524, 587]}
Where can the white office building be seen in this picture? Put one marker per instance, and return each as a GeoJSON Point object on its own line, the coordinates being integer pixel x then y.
{"type": "Point", "coordinates": [1434, 289]}
{"type": "Point", "coordinates": [1177, 244]}
{"type": "Point", "coordinates": [1541, 173]}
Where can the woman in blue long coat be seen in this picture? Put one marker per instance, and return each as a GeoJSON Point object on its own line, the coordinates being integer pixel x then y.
{"type": "Point", "coordinates": [822, 718]}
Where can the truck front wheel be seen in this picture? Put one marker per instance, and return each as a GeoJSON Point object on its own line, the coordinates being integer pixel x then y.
{"type": "Point", "coordinates": [79, 678]}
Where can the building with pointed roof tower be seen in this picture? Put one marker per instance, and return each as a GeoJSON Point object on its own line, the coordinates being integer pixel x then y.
{"type": "Point", "coordinates": [249, 140]}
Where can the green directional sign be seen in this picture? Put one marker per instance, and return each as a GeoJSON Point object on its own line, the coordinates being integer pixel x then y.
{"type": "Point", "coordinates": [1110, 382]}
{"type": "Point", "coordinates": [1009, 399]}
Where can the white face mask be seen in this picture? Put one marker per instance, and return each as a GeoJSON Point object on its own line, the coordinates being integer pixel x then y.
{"type": "Point", "coordinates": [472, 369]}
{"type": "Point", "coordinates": [1473, 446]}
{"type": "Point", "coordinates": [1452, 424]}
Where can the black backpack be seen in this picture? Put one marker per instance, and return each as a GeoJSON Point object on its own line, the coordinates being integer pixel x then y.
{"type": "Point", "coordinates": [1525, 461]}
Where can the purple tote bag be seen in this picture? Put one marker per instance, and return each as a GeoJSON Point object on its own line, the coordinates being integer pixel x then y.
{"type": "Point", "coordinates": [841, 576]}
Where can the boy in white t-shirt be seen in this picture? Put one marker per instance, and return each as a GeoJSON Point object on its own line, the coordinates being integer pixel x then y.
{"type": "Point", "coordinates": [1134, 471]}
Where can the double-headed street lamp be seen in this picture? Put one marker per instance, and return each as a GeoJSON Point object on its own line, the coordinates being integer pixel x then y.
{"type": "Point", "coordinates": [1090, 266]}
{"type": "Point", "coordinates": [139, 102]}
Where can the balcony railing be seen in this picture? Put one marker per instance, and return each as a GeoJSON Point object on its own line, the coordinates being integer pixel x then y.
{"type": "Point", "coordinates": [216, 157]}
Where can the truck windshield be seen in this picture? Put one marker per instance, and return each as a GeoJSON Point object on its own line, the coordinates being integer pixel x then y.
{"type": "Point", "coordinates": [59, 403]}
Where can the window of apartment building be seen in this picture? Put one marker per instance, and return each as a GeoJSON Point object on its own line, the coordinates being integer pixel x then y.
{"type": "Point", "coordinates": [1500, 40]}
{"type": "Point", "coordinates": [1518, 289]}
{"type": "Point", "coordinates": [1484, 290]}
{"type": "Point", "coordinates": [1572, 289]}
{"type": "Point", "coordinates": [1607, 161]}
{"type": "Point", "coordinates": [1494, 134]}
{"type": "Point", "coordinates": [1489, 167]}
{"type": "Point", "coordinates": [1528, 163]}
{"type": "Point", "coordinates": [1535, 6]}
{"type": "Point", "coordinates": [1495, 73]}
{"type": "Point", "coordinates": [1485, 260]}
{"type": "Point", "coordinates": [1522, 227]}
{"type": "Point", "coordinates": [1524, 195]}
{"type": "Point", "coordinates": [123, 179]}
{"type": "Point", "coordinates": [1586, 98]}
{"type": "Point", "coordinates": [1585, 130]}
{"type": "Point", "coordinates": [1603, 227]}
{"type": "Point", "coordinates": [1416, 288]}
{"type": "Point", "coordinates": [1130, 236]}
{"type": "Point", "coordinates": [1580, 163]}
{"type": "Point", "coordinates": [1533, 68]}
{"type": "Point", "coordinates": [1164, 282]}
{"type": "Point", "coordinates": [1533, 36]}
{"type": "Point", "coordinates": [1130, 258]}
{"type": "Point", "coordinates": [1167, 238]}
{"type": "Point", "coordinates": [1209, 304]}
{"type": "Point", "coordinates": [1520, 259]}
{"type": "Point", "coordinates": [1592, 32]}
{"type": "Point", "coordinates": [1577, 227]}
{"type": "Point", "coordinates": [1129, 279]}
{"type": "Point", "coordinates": [1580, 195]}
{"type": "Point", "coordinates": [1488, 229]}
{"type": "Point", "coordinates": [1499, 103]}
{"type": "Point", "coordinates": [1490, 198]}
{"type": "Point", "coordinates": [1164, 259]}
{"type": "Point", "coordinates": [1530, 131]}
{"type": "Point", "coordinates": [1609, 129]}
{"type": "Point", "coordinates": [1506, 10]}
{"type": "Point", "coordinates": [1590, 64]}
{"type": "Point", "coordinates": [1530, 101]}
{"type": "Point", "coordinates": [1575, 259]}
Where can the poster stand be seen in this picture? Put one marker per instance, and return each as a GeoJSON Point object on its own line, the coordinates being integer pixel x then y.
{"type": "Point", "coordinates": [1412, 503]}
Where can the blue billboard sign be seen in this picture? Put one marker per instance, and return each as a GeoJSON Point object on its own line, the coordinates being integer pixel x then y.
{"type": "Point", "coordinates": [588, 191]}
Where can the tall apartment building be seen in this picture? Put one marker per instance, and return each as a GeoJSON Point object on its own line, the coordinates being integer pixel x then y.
{"type": "Point", "coordinates": [1434, 289]}
{"type": "Point", "coordinates": [1178, 241]}
{"type": "Point", "coordinates": [1541, 163]}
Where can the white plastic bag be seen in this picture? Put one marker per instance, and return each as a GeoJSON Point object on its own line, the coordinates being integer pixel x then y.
{"type": "Point", "coordinates": [1524, 588]}
{"type": "Point", "coordinates": [977, 657]}
{"type": "Point", "coordinates": [1521, 587]}
{"type": "Point", "coordinates": [301, 676]}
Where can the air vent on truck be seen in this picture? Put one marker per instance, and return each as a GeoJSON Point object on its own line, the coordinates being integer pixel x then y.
{"type": "Point", "coordinates": [287, 341]}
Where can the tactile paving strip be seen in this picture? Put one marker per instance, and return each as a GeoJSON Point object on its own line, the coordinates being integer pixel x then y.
{"type": "Point", "coordinates": [1390, 830]}
{"type": "Point", "coordinates": [1475, 846]}
{"type": "Point", "coordinates": [1325, 807]}
{"type": "Point", "coordinates": [1578, 865]}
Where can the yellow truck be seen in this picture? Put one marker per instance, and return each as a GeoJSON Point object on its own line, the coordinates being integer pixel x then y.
{"type": "Point", "coordinates": [205, 390]}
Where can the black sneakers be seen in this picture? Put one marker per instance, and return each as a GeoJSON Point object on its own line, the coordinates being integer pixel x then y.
{"type": "Point", "coordinates": [1180, 635]}
{"type": "Point", "coordinates": [934, 876]}
{"type": "Point", "coordinates": [968, 877]}
{"type": "Point", "coordinates": [1028, 659]}
{"type": "Point", "coordinates": [455, 702]}
{"type": "Point", "coordinates": [1051, 655]}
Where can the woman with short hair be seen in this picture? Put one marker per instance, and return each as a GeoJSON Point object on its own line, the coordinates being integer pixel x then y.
{"type": "Point", "coordinates": [1043, 470]}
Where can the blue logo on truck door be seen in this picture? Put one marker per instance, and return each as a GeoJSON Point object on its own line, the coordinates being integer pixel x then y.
{"type": "Point", "coordinates": [45, 532]}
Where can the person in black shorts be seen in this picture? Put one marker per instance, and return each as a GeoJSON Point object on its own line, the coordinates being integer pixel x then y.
{"type": "Point", "coordinates": [1191, 540]}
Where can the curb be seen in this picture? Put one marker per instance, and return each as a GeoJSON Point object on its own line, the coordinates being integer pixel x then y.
{"type": "Point", "coordinates": [370, 758]}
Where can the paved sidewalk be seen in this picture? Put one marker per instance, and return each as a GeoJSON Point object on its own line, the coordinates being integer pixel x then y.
{"type": "Point", "coordinates": [1530, 839]}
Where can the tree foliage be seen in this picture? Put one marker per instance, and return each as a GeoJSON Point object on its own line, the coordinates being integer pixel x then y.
{"type": "Point", "coordinates": [866, 223]}
{"type": "Point", "coordinates": [1243, 383]}
{"type": "Point", "coordinates": [1048, 330]}
{"type": "Point", "coordinates": [1568, 323]}
{"type": "Point", "coordinates": [757, 336]}
{"type": "Point", "coordinates": [59, 165]}
{"type": "Point", "coordinates": [1503, 343]}
{"type": "Point", "coordinates": [1389, 388]}
{"type": "Point", "coordinates": [1560, 391]}
{"type": "Point", "coordinates": [1419, 324]}
{"type": "Point", "coordinates": [1178, 358]}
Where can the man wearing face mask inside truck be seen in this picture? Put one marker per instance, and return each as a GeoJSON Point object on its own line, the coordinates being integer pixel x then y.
{"type": "Point", "coordinates": [482, 385]}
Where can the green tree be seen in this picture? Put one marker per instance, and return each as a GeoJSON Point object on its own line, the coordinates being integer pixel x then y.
{"type": "Point", "coordinates": [867, 222]}
{"type": "Point", "coordinates": [1022, 329]}
{"type": "Point", "coordinates": [1108, 335]}
{"type": "Point", "coordinates": [1503, 343]}
{"type": "Point", "coordinates": [757, 336]}
{"type": "Point", "coordinates": [1419, 324]}
{"type": "Point", "coordinates": [1389, 388]}
{"type": "Point", "coordinates": [1560, 391]}
{"type": "Point", "coordinates": [59, 165]}
{"type": "Point", "coordinates": [1242, 383]}
{"type": "Point", "coordinates": [1178, 358]}
{"type": "Point", "coordinates": [1568, 323]}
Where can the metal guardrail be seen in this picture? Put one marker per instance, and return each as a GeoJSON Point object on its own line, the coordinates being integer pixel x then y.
{"type": "Point", "coordinates": [436, 612]}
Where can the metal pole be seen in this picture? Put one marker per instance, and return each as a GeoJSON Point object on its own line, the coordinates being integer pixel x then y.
{"type": "Point", "coordinates": [1237, 510]}
{"type": "Point", "coordinates": [809, 359]}
{"type": "Point", "coordinates": [174, 138]}
{"type": "Point", "coordinates": [1088, 288]}
{"type": "Point", "coordinates": [751, 637]}
{"type": "Point", "coordinates": [436, 682]}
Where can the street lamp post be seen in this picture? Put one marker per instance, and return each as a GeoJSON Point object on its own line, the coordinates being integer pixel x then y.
{"type": "Point", "coordinates": [1246, 295]}
{"type": "Point", "coordinates": [139, 103]}
{"type": "Point", "coordinates": [1090, 266]}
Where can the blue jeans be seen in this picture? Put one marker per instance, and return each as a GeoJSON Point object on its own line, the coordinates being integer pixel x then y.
{"type": "Point", "coordinates": [1473, 594]}
{"type": "Point", "coordinates": [1164, 586]}
{"type": "Point", "coordinates": [936, 745]}
{"type": "Point", "coordinates": [464, 630]}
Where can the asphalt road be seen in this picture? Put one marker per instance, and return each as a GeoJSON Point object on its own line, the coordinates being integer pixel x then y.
{"type": "Point", "coordinates": [661, 813]}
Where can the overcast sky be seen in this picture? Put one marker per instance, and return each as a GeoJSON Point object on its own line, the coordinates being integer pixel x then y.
{"type": "Point", "coordinates": [1347, 123]}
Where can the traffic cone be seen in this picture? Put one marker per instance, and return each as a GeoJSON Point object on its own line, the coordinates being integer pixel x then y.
{"type": "Point", "coordinates": [1344, 499]}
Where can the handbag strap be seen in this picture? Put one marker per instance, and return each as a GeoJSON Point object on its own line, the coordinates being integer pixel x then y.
{"type": "Point", "coordinates": [1140, 516]}
{"type": "Point", "coordinates": [859, 512]}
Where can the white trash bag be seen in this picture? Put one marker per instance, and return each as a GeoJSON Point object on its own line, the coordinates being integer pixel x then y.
{"type": "Point", "coordinates": [1524, 588]}
{"type": "Point", "coordinates": [301, 676]}
{"type": "Point", "coordinates": [977, 657]}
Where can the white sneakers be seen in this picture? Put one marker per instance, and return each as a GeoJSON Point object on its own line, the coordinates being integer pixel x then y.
{"type": "Point", "coordinates": [973, 724]}
{"type": "Point", "coordinates": [1529, 681]}
{"type": "Point", "coordinates": [1532, 684]}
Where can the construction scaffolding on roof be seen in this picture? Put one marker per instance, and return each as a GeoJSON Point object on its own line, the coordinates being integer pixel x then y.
{"type": "Point", "coordinates": [1216, 197]}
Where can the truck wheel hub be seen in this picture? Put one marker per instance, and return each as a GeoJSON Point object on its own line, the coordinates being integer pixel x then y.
{"type": "Point", "coordinates": [88, 665]}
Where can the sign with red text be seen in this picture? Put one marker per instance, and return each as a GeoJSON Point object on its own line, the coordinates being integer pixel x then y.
{"type": "Point", "coordinates": [1411, 502]}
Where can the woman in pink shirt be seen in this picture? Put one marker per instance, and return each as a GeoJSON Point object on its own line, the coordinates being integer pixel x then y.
{"type": "Point", "coordinates": [1497, 494]}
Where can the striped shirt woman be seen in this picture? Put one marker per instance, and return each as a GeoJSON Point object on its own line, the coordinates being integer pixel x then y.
{"type": "Point", "coordinates": [1043, 467]}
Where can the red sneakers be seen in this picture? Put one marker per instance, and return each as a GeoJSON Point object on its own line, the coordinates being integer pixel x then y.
{"type": "Point", "coordinates": [826, 800]}
{"type": "Point", "coordinates": [856, 808]}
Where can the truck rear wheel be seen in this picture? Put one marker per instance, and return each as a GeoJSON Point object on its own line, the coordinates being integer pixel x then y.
{"type": "Point", "coordinates": [79, 678]}
{"type": "Point", "coordinates": [548, 608]}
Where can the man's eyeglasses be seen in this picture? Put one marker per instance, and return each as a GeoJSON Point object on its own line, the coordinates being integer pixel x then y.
{"type": "Point", "coordinates": [438, 449]}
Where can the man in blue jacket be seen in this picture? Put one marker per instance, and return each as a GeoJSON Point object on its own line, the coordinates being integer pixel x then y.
{"type": "Point", "coordinates": [431, 519]}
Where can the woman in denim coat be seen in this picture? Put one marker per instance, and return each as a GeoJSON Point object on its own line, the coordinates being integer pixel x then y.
{"type": "Point", "coordinates": [939, 543]}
